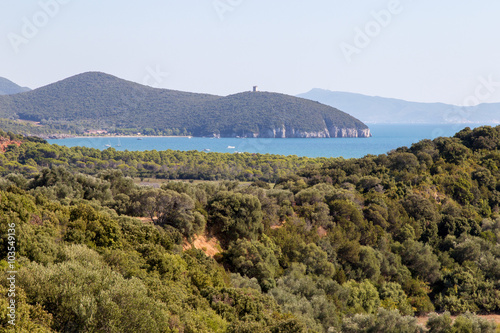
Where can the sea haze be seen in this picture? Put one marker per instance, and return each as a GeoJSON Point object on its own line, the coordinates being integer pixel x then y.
{"type": "Point", "coordinates": [385, 138]}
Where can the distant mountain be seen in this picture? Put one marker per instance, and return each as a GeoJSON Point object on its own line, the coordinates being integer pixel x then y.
{"type": "Point", "coordinates": [372, 109]}
{"type": "Point", "coordinates": [8, 87]}
{"type": "Point", "coordinates": [101, 101]}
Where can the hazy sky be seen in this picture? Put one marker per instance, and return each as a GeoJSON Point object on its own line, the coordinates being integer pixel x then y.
{"type": "Point", "coordinates": [423, 50]}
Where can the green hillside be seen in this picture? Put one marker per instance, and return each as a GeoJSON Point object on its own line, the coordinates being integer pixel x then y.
{"type": "Point", "coordinates": [271, 115]}
{"type": "Point", "coordinates": [331, 245]}
{"type": "Point", "coordinates": [100, 101]}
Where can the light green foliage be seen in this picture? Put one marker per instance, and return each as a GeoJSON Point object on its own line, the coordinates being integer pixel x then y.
{"type": "Point", "coordinates": [393, 297]}
{"type": "Point", "coordinates": [247, 309]}
{"type": "Point", "coordinates": [362, 297]}
{"type": "Point", "coordinates": [316, 260]}
{"type": "Point", "coordinates": [83, 295]}
{"type": "Point", "coordinates": [387, 321]}
{"type": "Point", "coordinates": [28, 318]}
{"type": "Point", "coordinates": [243, 282]}
{"type": "Point", "coordinates": [307, 298]}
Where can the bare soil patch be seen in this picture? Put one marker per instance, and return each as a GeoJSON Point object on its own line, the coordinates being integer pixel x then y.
{"type": "Point", "coordinates": [144, 219]}
{"type": "Point", "coordinates": [209, 245]}
{"type": "Point", "coordinates": [321, 232]}
{"type": "Point", "coordinates": [5, 142]}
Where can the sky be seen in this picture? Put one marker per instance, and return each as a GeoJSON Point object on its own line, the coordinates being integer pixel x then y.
{"type": "Point", "coordinates": [426, 51]}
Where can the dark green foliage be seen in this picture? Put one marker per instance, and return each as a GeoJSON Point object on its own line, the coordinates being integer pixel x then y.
{"type": "Point", "coordinates": [235, 215]}
{"type": "Point", "coordinates": [32, 128]}
{"type": "Point", "coordinates": [420, 260]}
{"type": "Point", "coordinates": [166, 207]}
{"type": "Point", "coordinates": [255, 260]}
{"type": "Point", "coordinates": [86, 226]}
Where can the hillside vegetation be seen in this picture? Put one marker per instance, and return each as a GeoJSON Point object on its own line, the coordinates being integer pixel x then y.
{"type": "Point", "coordinates": [358, 245]}
{"type": "Point", "coordinates": [100, 101]}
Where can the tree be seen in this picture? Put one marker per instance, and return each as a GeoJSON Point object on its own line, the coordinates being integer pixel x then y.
{"type": "Point", "coordinates": [255, 260]}
{"type": "Point", "coordinates": [90, 227]}
{"type": "Point", "coordinates": [83, 295]}
{"type": "Point", "coordinates": [167, 207]}
{"type": "Point", "coordinates": [394, 298]}
{"type": "Point", "coordinates": [387, 321]}
{"type": "Point", "coordinates": [421, 261]}
{"type": "Point", "coordinates": [363, 297]}
{"type": "Point", "coordinates": [235, 215]}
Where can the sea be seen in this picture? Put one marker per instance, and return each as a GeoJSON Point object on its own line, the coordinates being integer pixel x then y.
{"type": "Point", "coordinates": [385, 137]}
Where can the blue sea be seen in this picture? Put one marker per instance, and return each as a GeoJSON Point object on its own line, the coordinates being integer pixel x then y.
{"type": "Point", "coordinates": [385, 138]}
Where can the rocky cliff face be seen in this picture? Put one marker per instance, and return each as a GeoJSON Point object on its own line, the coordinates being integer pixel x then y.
{"type": "Point", "coordinates": [287, 132]}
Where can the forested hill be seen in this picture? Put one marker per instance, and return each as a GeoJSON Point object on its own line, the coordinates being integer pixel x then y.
{"type": "Point", "coordinates": [100, 101]}
{"type": "Point", "coordinates": [278, 115]}
{"type": "Point", "coordinates": [8, 87]}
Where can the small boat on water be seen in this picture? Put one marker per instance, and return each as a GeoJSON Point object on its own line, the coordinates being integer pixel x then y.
{"type": "Point", "coordinates": [231, 147]}
{"type": "Point", "coordinates": [206, 149]}
{"type": "Point", "coordinates": [139, 138]}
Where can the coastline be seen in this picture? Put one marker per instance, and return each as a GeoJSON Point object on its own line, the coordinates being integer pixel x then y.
{"type": "Point", "coordinates": [130, 136]}
{"type": "Point", "coordinates": [69, 136]}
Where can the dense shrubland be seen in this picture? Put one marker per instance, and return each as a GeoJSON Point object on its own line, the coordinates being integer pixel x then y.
{"type": "Point", "coordinates": [359, 245]}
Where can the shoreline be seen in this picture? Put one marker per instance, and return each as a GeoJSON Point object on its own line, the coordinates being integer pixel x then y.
{"type": "Point", "coordinates": [122, 136]}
